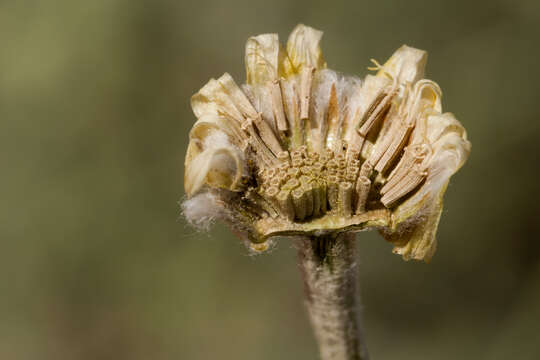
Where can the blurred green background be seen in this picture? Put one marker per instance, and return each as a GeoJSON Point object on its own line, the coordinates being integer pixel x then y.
{"type": "Point", "coordinates": [96, 261]}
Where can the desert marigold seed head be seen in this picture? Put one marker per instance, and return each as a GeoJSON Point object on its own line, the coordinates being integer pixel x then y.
{"type": "Point", "coordinates": [302, 149]}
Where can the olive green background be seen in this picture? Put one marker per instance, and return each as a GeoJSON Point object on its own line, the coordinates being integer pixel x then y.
{"type": "Point", "coordinates": [96, 261]}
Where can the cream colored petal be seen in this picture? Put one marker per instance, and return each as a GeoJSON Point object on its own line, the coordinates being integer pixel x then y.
{"type": "Point", "coordinates": [226, 169]}
{"type": "Point", "coordinates": [217, 167]}
{"type": "Point", "coordinates": [450, 149]}
{"type": "Point", "coordinates": [416, 238]}
{"type": "Point", "coordinates": [213, 99]}
{"type": "Point", "coordinates": [259, 96]}
{"type": "Point", "coordinates": [212, 157]}
{"type": "Point", "coordinates": [237, 96]}
{"type": "Point", "coordinates": [425, 96]}
{"type": "Point", "coordinates": [262, 58]}
{"type": "Point", "coordinates": [420, 213]}
{"type": "Point", "coordinates": [266, 61]}
{"type": "Point", "coordinates": [209, 122]}
{"type": "Point", "coordinates": [406, 65]}
{"type": "Point", "coordinates": [223, 97]}
{"type": "Point", "coordinates": [243, 104]}
{"type": "Point", "coordinates": [205, 128]}
{"type": "Point", "coordinates": [430, 93]}
{"type": "Point", "coordinates": [195, 147]}
{"type": "Point", "coordinates": [439, 125]}
{"type": "Point", "coordinates": [303, 48]}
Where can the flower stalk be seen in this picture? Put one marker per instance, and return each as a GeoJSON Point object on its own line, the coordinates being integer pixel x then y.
{"type": "Point", "coordinates": [328, 266]}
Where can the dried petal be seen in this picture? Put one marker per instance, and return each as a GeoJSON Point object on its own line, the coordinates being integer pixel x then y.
{"type": "Point", "coordinates": [406, 65]}
{"type": "Point", "coordinates": [304, 49]}
{"type": "Point", "coordinates": [214, 162]}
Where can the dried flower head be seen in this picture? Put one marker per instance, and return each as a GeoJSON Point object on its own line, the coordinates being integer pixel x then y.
{"type": "Point", "coordinates": [302, 149]}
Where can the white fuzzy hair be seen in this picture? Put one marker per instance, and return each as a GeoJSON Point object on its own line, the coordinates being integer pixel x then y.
{"type": "Point", "coordinates": [202, 210]}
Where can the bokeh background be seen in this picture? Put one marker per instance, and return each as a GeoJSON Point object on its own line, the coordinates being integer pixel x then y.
{"type": "Point", "coordinates": [96, 261]}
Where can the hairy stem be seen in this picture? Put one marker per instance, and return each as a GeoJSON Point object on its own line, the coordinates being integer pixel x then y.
{"type": "Point", "coordinates": [329, 271]}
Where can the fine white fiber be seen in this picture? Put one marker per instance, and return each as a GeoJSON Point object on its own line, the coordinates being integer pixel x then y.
{"type": "Point", "coordinates": [202, 210]}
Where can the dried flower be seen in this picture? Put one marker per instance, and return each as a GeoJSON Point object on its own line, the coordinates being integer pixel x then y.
{"type": "Point", "coordinates": [302, 149]}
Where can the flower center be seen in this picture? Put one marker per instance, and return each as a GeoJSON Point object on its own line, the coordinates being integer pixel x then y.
{"type": "Point", "coordinates": [307, 185]}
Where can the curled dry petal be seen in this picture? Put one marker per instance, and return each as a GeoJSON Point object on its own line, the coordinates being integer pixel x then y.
{"type": "Point", "coordinates": [302, 149]}
{"type": "Point", "coordinates": [416, 219]}
{"type": "Point", "coordinates": [266, 60]}
{"type": "Point", "coordinates": [262, 56]}
{"type": "Point", "coordinates": [304, 49]}
{"type": "Point", "coordinates": [213, 161]}
{"type": "Point", "coordinates": [407, 65]}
